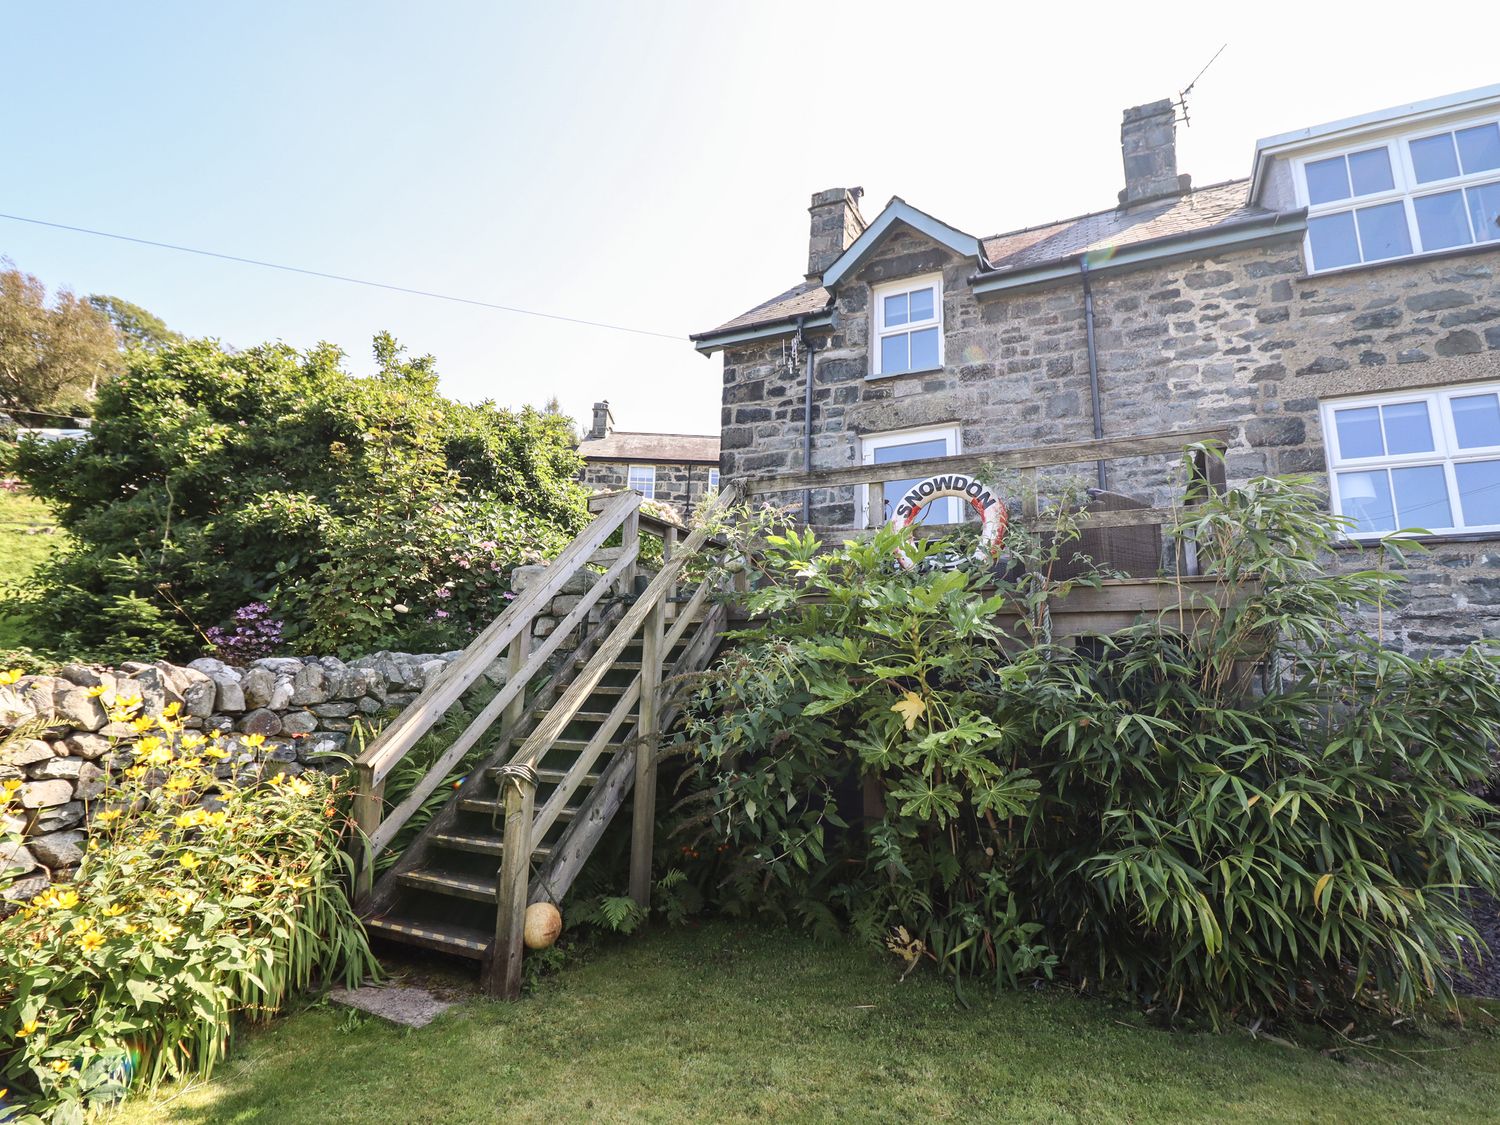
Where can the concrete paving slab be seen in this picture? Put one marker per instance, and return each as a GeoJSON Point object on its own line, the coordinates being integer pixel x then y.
{"type": "Point", "coordinates": [400, 1004]}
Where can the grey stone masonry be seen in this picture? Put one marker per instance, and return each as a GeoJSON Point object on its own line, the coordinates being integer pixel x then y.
{"type": "Point", "coordinates": [1244, 339]}
{"type": "Point", "coordinates": [683, 485]}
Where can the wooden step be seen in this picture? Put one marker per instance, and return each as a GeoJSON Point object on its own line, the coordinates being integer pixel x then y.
{"type": "Point", "coordinates": [493, 807]}
{"type": "Point", "coordinates": [471, 887]}
{"type": "Point", "coordinates": [477, 843]}
{"type": "Point", "coordinates": [552, 777]}
{"type": "Point", "coordinates": [444, 937]}
{"type": "Point", "coordinates": [581, 716]}
{"type": "Point", "coordinates": [577, 745]}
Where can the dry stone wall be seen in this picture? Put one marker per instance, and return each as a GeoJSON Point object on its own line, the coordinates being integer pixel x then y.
{"type": "Point", "coordinates": [302, 708]}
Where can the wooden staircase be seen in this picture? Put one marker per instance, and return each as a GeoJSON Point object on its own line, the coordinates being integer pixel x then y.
{"type": "Point", "coordinates": [575, 739]}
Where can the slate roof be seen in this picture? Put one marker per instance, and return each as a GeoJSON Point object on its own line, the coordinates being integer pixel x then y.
{"type": "Point", "coordinates": [621, 445]}
{"type": "Point", "coordinates": [1200, 210]}
{"type": "Point", "coordinates": [802, 299]}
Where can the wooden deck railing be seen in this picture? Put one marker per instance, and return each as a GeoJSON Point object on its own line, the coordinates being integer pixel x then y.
{"type": "Point", "coordinates": [1208, 472]}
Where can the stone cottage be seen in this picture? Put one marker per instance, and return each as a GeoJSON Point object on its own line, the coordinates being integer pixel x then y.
{"type": "Point", "coordinates": [1337, 311]}
{"type": "Point", "coordinates": [675, 469]}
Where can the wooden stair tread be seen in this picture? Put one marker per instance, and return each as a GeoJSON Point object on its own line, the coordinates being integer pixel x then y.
{"type": "Point", "coordinates": [491, 806]}
{"type": "Point", "coordinates": [445, 937]}
{"type": "Point", "coordinates": [555, 777]}
{"type": "Point", "coordinates": [471, 887]}
{"type": "Point", "coordinates": [479, 843]}
{"type": "Point", "coordinates": [581, 716]}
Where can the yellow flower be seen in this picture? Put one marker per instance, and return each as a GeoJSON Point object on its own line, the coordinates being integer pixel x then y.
{"type": "Point", "coordinates": [179, 783]}
{"type": "Point", "coordinates": [11, 785]}
{"type": "Point", "coordinates": [62, 1066]}
{"type": "Point", "coordinates": [132, 928]}
{"type": "Point", "coordinates": [217, 819]}
{"type": "Point", "coordinates": [91, 941]}
{"type": "Point", "coordinates": [910, 707]}
{"type": "Point", "coordinates": [82, 925]}
{"type": "Point", "coordinates": [300, 786]}
{"type": "Point", "coordinates": [96, 691]}
{"type": "Point", "coordinates": [216, 753]}
{"type": "Point", "coordinates": [189, 860]}
{"type": "Point", "coordinates": [113, 910]}
{"type": "Point", "coordinates": [190, 819]}
{"type": "Point", "coordinates": [170, 710]}
{"type": "Point", "coordinates": [10, 677]}
{"type": "Point", "coordinates": [216, 734]}
{"type": "Point", "coordinates": [249, 883]}
{"type": "Point", "coordinates": [27, 1028]}
{"type": "Point", "coordinates": [108, 815]}
{"type": "Point", "coordinates": [192, 741]}
{"type": "Point", "coordinates": [190, 763]}
{"type": "Point", "coordinates": [150, 837]}
{"type": "Point", "coordinates": [128, 702]}
{"type": "Point", "coordinates": [166, 931]}
{"type": "Point", "coordinates": [143, 724]}
{"type": "Point", "coordinates": [135, 773]}
{"type": "Point", "coordinates": [65, 900]}
{"type": "Point", "coordinates": [279, 780]}
{"type": "Point", "coordinates": [254, 741]}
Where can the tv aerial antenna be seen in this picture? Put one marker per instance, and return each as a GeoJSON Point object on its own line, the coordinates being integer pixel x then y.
{"type": "Point", "coordinates": [1181, 102]}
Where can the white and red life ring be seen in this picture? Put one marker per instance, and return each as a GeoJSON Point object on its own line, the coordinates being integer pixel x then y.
{"type": "Point", "coordinates": [990, 508]}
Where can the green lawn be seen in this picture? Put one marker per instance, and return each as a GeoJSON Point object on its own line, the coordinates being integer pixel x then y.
{"type": "Point", "coordinates": [738, 1024]}
{"type": "Point", "coordinates": [27, 537]}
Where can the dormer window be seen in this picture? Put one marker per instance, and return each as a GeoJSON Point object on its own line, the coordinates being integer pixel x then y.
{"type": "Point", "coordinates": [908, 332]}
{"type": "Point", "coordinates": [1410, 194]}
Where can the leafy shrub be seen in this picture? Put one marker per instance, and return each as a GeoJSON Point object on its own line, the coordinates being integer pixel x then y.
{"type": "Point", "coordinates": [1267, 815]}
{"type": "Point", "coordinates": [213, 480]}
{"type": "Point", "coordinates": [182, 917]}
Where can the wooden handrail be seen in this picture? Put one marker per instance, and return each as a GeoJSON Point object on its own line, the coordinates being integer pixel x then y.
{"type": "Point", "coordinates": [513, 690]}
{"type": "Point", "coordinates": [1065, 453]}
{"type": "Point", "coordinates": [583, 685]}
{"type": "Point", "coordinates": [396, 741]}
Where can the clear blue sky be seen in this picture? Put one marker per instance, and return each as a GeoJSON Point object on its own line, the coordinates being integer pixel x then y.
{"type": "Point", "coordinates": [646, 164]}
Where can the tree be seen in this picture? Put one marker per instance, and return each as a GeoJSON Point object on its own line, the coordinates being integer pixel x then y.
{"type": "Point", "coordinates": [51, 355]}
{"type": "Point", "coordinates": [136, 326]}
{"type": "Point", "coordinates": [368, 512]}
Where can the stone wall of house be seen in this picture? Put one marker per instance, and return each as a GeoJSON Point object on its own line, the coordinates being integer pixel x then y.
{"type": "Point", "coordinates": [304, 709]}
{"type": "Point", "coordinates": [680, 484]}
{"type": "Point", "coordinates": [1245, 340]}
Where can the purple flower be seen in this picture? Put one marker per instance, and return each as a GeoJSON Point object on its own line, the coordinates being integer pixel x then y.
{"type": "Point", "coordinates": [444, 592]}
{"type": "Point", "coordinates": [441, 613]}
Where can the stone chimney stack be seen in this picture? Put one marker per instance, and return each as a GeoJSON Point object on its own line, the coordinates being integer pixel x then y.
{"type": "Point", "coordinates": [1148, 145]}
{"type": "Point", "coordinates": [836, 222]}
{"type": "Point", "coordinates": [603, 421]}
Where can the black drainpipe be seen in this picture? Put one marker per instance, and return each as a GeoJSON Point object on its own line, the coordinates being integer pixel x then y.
{"type": "Point", "coordinates": [806, 424]}
{"type": "Point", "coordinates": [1088, 320]}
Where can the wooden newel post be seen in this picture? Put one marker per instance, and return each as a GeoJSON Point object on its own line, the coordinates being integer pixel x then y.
{"type": "Point", "coordinates": [369, 801]}
{"type": "Point", "coordinates": [502, 972]}
{"type": "Point", "coordinates": [643, 825]}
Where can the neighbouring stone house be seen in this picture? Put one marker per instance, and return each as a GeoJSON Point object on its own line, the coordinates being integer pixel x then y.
{"type": "Point", "coordinates": [675, 469]}
{"type": "Point", "coordinates": [1337, 311]}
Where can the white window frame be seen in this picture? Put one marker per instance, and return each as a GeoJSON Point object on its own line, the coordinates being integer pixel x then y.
{"type": "Point", "coordinates": [648, 471]}
{"type": "Point", "coordinates": [879, 332]}
{"type": "Point", "coordinates": [1405, 188]}
{"type": "Point", "coordinates": [869, 443]}
{"type": "Point", "coordinates": [1447, 453]}
{"type": "Point", "coordinates": [713, 479]}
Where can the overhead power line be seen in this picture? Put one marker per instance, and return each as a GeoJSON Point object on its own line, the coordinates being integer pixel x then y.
{"type": "Point", "coordinates": [345, 278]}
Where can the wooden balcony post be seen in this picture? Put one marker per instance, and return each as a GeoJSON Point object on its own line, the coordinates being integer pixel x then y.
{"type": "Point", "coordinates": [668, 549]}
{"type": "Point", "coordinates": [369, 807]}
{"type": "Point", "coordinates": [515, 660]}
{"type": "Point", "coordinates": [630, 536]}
{"type": "Point", "coordinates": [644, 822]}
{"type": "Point", "coordinates": [502, 972]}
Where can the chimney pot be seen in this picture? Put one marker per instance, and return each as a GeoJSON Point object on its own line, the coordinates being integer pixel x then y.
{"type": "Point", "coordinates": [1148, 147]}
{"type": "Point", "coordinates": [836, 222]}
{"type": "Point", "coordinates": [603, 421]}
